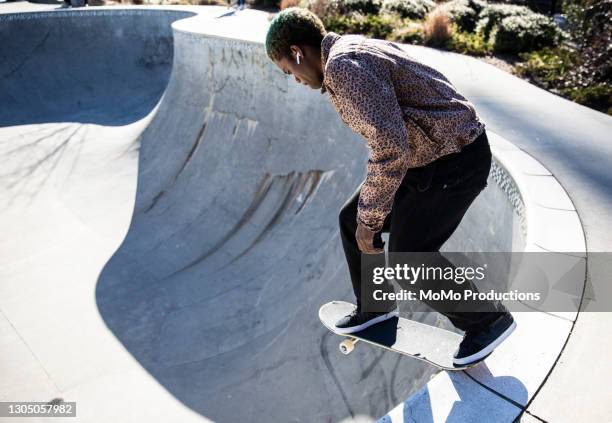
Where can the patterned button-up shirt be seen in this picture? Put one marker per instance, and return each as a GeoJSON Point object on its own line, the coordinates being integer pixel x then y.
{"type": "Point", "coordinates": [408, 113]}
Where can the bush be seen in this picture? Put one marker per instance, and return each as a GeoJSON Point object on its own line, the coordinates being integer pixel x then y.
{"type": "Point", "coordinates": [515, 2]}
{"type": "Point", "coordinates": [413, 9]}
{"type": "Point", "coordinates": [547, 67]}
{"type": "Point", "coordinates": [597, 96]}
{"type": "Point", "coordinates": [591, 30]}
{"type": "Point", "coordinates": [477, 5]}
{"type": "Point", "coordinates": [412, 33]}
{"type": "Point", "coordinates": [575, 13]}
{"type": "Point", "coordinates": [463, 16]}
{"type": "Point", "coordinates": [469, 43]}
{"type": "Point", "coordinates": [367, 7]}
{"type": "Point", "coordinates": [323, 8]}
{"type": "Point", "coordinates": [524, 33]}
{"type": "Point", "coordinates": [373, 26]}
{"type": "Point", "coordinates": [552, 69]}
{"type": "Point", "coordinates": [493, 14]}
{"type": "Point", "coordinates": [437, 28]}
{"type": "Point", "coordinates": [539, 6]}
{"type": "Point", "coordinates": [464, 13]}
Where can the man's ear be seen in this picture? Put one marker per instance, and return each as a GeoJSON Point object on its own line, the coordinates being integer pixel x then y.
{"type": "Point", "coordinates": [295, 50]}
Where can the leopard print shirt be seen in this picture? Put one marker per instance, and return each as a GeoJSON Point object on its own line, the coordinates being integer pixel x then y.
{"type": "Point", "coordinates": [408, 113]}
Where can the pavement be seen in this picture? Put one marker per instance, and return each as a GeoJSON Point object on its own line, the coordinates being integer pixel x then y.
{"type": "Point", "coordinates": [169, 222]}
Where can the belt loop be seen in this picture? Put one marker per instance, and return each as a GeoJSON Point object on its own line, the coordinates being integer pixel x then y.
{"type": "Point", "coordinates": [426, 177]}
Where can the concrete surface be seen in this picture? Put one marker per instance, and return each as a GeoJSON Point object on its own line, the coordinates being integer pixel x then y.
{"type": "Point", "coordinates": [227, 201]}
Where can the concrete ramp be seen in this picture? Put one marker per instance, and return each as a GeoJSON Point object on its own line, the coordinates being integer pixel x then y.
{"type": "Point", "coordinates": [232, 243]}
{"type": "Point", "coordinates": [170, 225]}
{"type": "Point", "coordinates": [233, 246]}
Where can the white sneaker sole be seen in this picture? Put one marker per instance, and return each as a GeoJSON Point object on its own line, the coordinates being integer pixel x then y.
{"type": "Point", "coordinates": [486, 350]}
{"type": "Point", "coordinates": [367, 324]}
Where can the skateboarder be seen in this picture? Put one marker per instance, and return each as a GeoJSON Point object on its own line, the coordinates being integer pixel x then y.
{"type": "Point", "coordinates": [429, 159]}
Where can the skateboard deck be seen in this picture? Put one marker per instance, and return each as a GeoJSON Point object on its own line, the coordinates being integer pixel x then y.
{"type": "Point", "coordinates": [424, 342]}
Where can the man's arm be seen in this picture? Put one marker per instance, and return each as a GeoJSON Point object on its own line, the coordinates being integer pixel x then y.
{"type": "Point", "coordinates": [369, 106]}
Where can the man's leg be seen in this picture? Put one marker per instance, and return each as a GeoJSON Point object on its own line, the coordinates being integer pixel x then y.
{"type": "Point", "coordinates": [348, 226]}
{"type": "Point", "coordinates": [428, 208]}
{"type": "Point", "coordinates": [360, 319]}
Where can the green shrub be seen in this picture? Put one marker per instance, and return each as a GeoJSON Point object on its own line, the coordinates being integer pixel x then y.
{"type": "Point", "coordinates": [547, 67]}
{"type": "Point", "coordinates": [598, 96]}
{"type": "Point", "coordinates": [411, 33]}
{"type": "Point", "coordinates": [462, 16]}
{"type": "Point", "coordinates": [373, 26]}
{"type": "Point", "coordinates": [574, 10]}
{"type": "Point", "coordinates": [538, 6]}
{"type": "Point", "coordinates": [367, 7]}
{"type": "Point", "coordinates": [464, 13]}
{"type": "Point", "coordinates": [591, 32]}
{"type": "Point", "coordinates": [477, 5]}
{"type": "Point", "coordinates": [346, 8]}
{"type": "Point", "coordinates": [493, 14]}
{"type": "Point", "coordinates": [413, 9]}
{"type": "Point", "coordinates": [515, 2]}
{"type": "Point", "coordinates": [469, 43]}
{"type": "Point", "coordinates": [323, 8]}
{"type": "Point", "coordinates": [516, 34]}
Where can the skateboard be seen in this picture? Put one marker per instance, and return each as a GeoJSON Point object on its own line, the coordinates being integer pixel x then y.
{"type": "Point", "coordinates": [424, 342]}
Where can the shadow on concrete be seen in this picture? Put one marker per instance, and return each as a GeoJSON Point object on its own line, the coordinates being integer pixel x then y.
{"type": "Point", "coordinates": [471, 401]}
{"type": "Point", "coordinates": [85, 69]}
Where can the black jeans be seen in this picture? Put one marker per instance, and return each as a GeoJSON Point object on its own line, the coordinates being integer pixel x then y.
{"type": "Point", "coordinates": [428, 206]}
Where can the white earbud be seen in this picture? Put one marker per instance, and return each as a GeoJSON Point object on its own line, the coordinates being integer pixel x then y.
{"type": "Point", "coordinates": [298, 58]}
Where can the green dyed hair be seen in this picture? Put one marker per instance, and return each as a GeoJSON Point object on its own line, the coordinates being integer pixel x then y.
{"type": "Point", "coordinates": [293, 26]}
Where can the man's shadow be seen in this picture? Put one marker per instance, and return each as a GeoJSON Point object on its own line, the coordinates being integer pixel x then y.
{"type": "Point", "coordinates": [474, 400]}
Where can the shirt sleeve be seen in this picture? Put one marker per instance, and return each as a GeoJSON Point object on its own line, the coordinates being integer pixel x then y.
{"type": "Point", "coordinates": [369, 106]}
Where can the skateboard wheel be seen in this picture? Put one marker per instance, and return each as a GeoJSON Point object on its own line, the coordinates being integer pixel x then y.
{"type": "Point", "coordinates": [347, 346]}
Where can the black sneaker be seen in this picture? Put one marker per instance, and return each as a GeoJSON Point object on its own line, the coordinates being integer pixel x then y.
{"type": "Point", "coordinates": [359, 320]}
{"type": "Point", "coordinates": [476, 346]}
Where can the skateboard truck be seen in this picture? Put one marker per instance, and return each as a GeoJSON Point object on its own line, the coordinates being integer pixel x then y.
{"type": "Point", "coordinates": [348, 345]}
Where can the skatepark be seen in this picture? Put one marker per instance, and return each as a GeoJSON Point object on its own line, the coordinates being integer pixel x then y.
{"type": "Point", "coordinates": [169, 217]}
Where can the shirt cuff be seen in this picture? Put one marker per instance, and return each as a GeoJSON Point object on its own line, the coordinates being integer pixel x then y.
{"type": "Point", "coordinates": [373, 226]}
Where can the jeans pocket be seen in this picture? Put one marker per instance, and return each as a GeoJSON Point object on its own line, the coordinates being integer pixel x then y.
{"type": "Point", "coordinates": [466, 171]}
{"type": "Point", "coordinates": [453, 173]}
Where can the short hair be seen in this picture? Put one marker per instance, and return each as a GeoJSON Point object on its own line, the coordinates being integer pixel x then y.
{"type": "Point", "coordinates": [293, 26]}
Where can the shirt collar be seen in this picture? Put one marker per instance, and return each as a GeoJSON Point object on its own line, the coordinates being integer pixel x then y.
{"type": "Point", "coordinates": [326, 44]}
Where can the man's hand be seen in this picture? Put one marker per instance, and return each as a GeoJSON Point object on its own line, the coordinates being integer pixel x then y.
{"type": "Point", "coordinates": [365, 240]}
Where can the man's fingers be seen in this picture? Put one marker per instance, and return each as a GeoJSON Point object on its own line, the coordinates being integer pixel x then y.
{"type": "Point", "coordinates": [362, 245]}
{"type": "Point", "coordinates": [359, 242]}
{"type": "Point", "coordinates": [365, 241]}
{"type": "Point", "coordinates": [367, 246]}
{"type": "Point", "coordinates": [374, 251]}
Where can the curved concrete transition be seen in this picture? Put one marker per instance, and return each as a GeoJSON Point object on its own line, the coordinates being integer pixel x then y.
{"type": "Point", "coordinates": [206, 306]}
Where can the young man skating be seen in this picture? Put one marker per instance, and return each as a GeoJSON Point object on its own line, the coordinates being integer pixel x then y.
{"type": "Point", "coordinates": [429, 159]}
